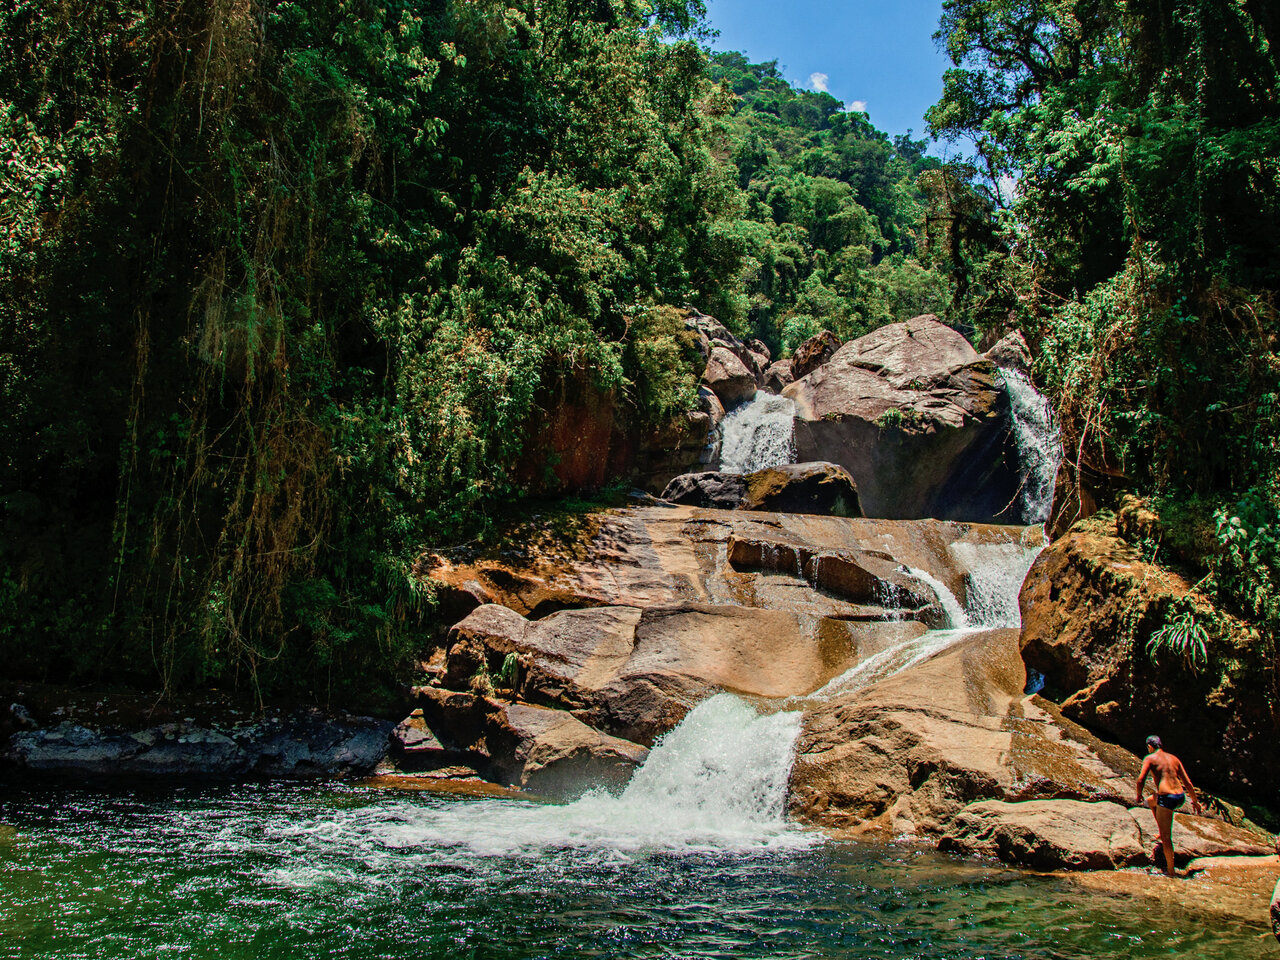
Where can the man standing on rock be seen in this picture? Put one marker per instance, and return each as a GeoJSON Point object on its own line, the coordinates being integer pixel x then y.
{"type": "Point", "coordinates": [1172, 786]}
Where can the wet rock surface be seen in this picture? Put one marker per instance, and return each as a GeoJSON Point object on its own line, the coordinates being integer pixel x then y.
{"type": "Point", "coordinates": [905, 754]}
{"type": "Point", "coordinates": [1088, 835]}
{"type": "Point", "coordinates": [918, 418]}
{"type": "Point", "coordinates": [1090, 605]}
{"type": "Point", "coordinates": [302, 745]}
{"type": "Point", "coordinates": [814, 488]}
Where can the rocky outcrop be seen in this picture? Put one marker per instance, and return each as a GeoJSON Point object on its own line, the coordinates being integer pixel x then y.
{"type": "Point", "coordinates": [817, 488]}
{"type": "Point", "coordinates": [543, 751]}
{"type": "Point", "coordinates": [636, 672]}
{"type": "Point", "coordinates": [1090, 607]}
{"type": "Point", "coordinates": [300, 745]}
{"type": "Point", "coordinates": [640, 556]}
{"type": "Point", "coordinates": [690, 439]}
{"type": "Point", "coordinates": [778, 375]}
{"type": "Point", "coordinates": [729, 378]}
{"type": "Point", "coordinates": [919, 420]}
{"type": "Point", "coordinates": [813, 353]}
{"type": "Point", "coordinates": [905, 754]}
{"type": "Point", "coordinates": [1079, 835]}
{"type": "Point", "coordinates": [1011, 353]}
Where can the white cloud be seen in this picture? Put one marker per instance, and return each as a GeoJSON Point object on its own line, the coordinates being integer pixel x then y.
{"type": "Point", "coordinates": [819, 81]}
{"type": "Point", "coordinates": [856, 106]}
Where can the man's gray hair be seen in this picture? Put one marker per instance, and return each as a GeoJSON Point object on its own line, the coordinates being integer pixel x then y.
{"type": "Point", "coordinates": [1154, 741]}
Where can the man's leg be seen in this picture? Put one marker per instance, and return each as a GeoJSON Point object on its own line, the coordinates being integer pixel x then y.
{"type": "Point", "coordinates": [1164, 822]}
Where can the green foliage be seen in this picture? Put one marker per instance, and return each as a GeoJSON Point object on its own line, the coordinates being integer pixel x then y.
{"type": "Point", "coordinates": [280, 282]}
{"type": "Point", "coordinates": [1144, 142]}
{"type": "Point", "coordinates": [1246, 567]}
{"type": "Point", "coordinates": [832, 211]}
{"type": "Point", "coordinates": [1183, 637]}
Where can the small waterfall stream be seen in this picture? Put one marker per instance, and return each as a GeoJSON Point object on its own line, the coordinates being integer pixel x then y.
{"type": "Point", "coordinates": [758, 434]}
{"type": "Point", "coordinates": [1039, 445]}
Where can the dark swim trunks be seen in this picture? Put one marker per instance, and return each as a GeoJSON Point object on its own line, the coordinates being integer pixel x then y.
{"type": "Point", "coordinates": [1171, 801]}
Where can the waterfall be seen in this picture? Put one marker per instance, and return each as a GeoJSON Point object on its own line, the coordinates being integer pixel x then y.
{"type": "Point", "coordinates": [956, 617]}
{"type": "Point", "coordinates": [993, 578]}
{"type": "Point", "coordinates": [717, 782]}
{"type": "Point", "coordinates": [1039, 446]}
{"type": "Point", "coordinates": [758, 434]}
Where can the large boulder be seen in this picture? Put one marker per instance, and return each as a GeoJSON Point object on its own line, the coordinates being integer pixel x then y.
{"type": "Point", "coordinates": [815, 488]}
{"type": "Point", "coordinates": [551, 752]}
{"type": "Point", "coordinates": [1079, 835]}
{"type": "Point", "coordinates": [778, 375]}
{"type": "Point", "coordinates": [710, 488]}
{"type": "Point", "coordinates": [541, 750]}
{"type": "Point", "coordinates": [902, 755]}
{"type": "Point", "coordinates": [732, 380]}
{"type": "Point", "coordinates": [919, 420]}
{"type": "Point", "coordinates": [1090, 607]}
{"type": "Point", "coordinates": [813, 353]}
{"type": "Point", "coordinates": [1011, 353]}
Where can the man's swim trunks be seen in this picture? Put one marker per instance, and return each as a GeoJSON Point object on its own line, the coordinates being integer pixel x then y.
{"type": "Point", "coordinates": [1171, 801]}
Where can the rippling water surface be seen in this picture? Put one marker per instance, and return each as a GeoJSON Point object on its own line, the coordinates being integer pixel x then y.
{"type": "Point", "coordinates": [270, 870]}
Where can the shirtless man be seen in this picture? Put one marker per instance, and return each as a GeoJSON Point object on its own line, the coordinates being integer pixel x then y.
{"type": "Point", "coordinates": [1172, 786]}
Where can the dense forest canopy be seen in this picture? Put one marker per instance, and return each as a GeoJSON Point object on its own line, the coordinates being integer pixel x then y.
{"type": "Point", "coordinates": [284, 282]}
{"type": "Point", "coordinates": [1142, 252]}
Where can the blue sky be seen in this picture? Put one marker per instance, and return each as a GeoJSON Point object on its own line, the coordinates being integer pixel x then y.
{"type": "Point", "coordinates": [877, 54]}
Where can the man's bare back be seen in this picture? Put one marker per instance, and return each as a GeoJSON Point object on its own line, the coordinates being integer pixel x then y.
{"type": "Point", "coordinates": [1172, 783]}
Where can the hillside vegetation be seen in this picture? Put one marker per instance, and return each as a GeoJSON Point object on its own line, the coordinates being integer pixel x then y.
{"type": "Point", "coordinates": [283, 284]}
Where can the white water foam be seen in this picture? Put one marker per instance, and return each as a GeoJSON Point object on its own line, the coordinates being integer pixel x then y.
{"type": "Point", "coordinates": [1039, 445]}
{"type": "Point", "coordinates": [716, 783]}
{"type": "Point", "coordinates": [993, 579]}
{"type": "Point", "coordinates": [758, 434]}
{"type": "Point", "coordinates": [957, 619]}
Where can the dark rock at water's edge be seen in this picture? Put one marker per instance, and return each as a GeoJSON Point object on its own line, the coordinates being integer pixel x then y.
{"type": "Point", "coordinates": [711, 488]}
{"type": "Point", "coordinates": [806, 488]}
{"type": "Point", "coordinates": [920, 421]}
{"type": "Point", "coordinates": [296, 744]}
{"type": "Point", "coordinates": [535, 748]}
{"type": "Point", "coordinates": [1090, 606]}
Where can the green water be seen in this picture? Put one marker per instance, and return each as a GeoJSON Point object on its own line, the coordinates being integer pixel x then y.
{"type": "Point", "coordinates": [273, 871]}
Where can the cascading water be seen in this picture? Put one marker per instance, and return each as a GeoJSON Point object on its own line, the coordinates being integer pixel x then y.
{"type": "Point", "coordinates": [1039, 445]}
{"type": "Point", "coordinates": [758, 434]}
{"type": "Point", "coordinates": [993, 577]}
{"type": "Point", "coordinates": [718, 781]}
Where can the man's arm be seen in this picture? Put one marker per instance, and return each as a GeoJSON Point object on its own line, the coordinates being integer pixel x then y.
{"type": "Point", "coordinates": [1186, 782]}
{"type": "Point", "coordinates": [1146, 768]}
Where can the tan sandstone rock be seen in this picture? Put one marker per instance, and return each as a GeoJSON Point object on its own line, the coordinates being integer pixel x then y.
{"type": "Point", "coordinates": [1079, 835]}
{"type": "Point", "coordinates": [729, 378]}
{"type": "Point", "coordinates": [905, 754]}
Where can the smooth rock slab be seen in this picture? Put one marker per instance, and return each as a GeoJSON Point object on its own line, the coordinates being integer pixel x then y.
{"type": "Point", "coordinates": [1083, 835]}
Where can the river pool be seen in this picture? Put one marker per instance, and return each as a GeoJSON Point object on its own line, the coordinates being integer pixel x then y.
{"type": "Point", "coordinates": [332, 870]}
